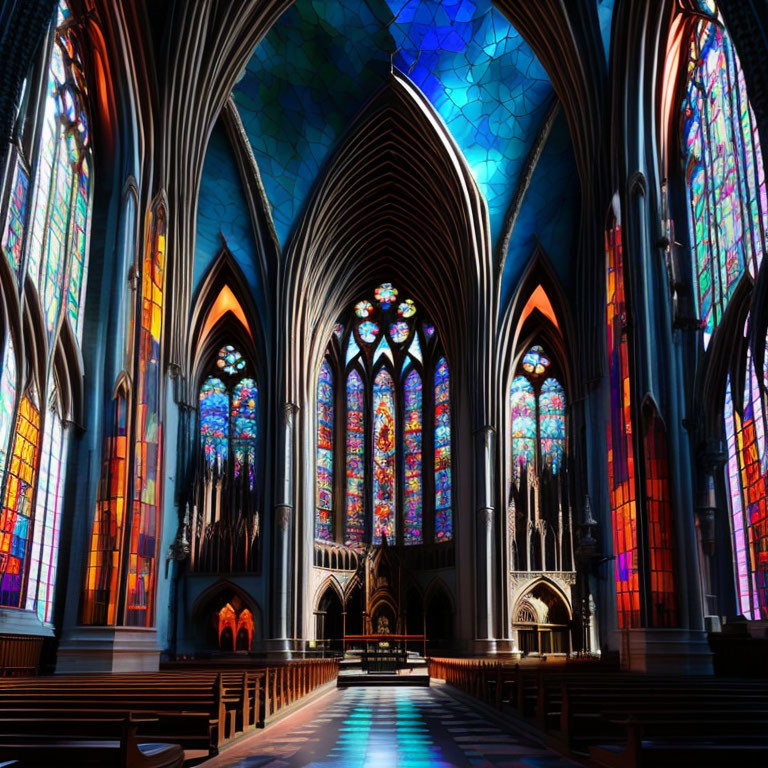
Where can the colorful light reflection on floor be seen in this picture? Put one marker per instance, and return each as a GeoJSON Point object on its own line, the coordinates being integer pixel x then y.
{"type": "Point", "coordinates": [387, 728]}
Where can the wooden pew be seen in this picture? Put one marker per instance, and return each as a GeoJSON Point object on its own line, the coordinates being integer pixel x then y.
{"type": "Point", "coordinates": [102, 742]}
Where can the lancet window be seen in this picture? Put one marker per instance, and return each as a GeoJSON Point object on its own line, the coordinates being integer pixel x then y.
{"type": "Point", "coordinates": [44, 239]}
{"type": "Point", "coordinates": [383, 406]}
{"type": "Point", "coordinates": [539, 515]}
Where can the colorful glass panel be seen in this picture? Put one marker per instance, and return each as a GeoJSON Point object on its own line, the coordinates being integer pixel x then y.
{"type": "Point", "coordinates": [230, 360]}
{"type": "Point", "coordinates": [383, 350]}
{"type": "Point", "coordinates": [355, 520]}
{"type": "Point", "coordinates": [352, 349]}
{"type": "Point", "coordinates": [407, 308]}
{"type": "Point", "coordinates": [47, 525]}
{"type": "Point", "coordinates": [383, 457]}
{"type": "Point", "coordinates": [147, 449]}
{"type": "Point", "coordinates": [621, 460]}
{"type": "Point", "coordinates": [552, 425]}
{"type": "Point", "coordinates": [363, 309]}
{"type": "Point", "coordinates": [399, 331]}
{"type": "Point", "coordinates": [429, 330]}
{"type": "Point", "coordinates": [443, 501]}
{"type": "Point", "coordinates": [661, 550]}
{"type": "Point", "coordinates": [535, 361]}
{"type": "Point", "coordinates": [13, 239]}
{"type": "Point", "coordinates": [324, 456]}
{"type": "Point", "coordinates": [78, 250]}
{"type": "Point", "coordinates": [522, 403]}
{"type": "Point", "coordinates": [245, 419]}
{"type": "Point", "coordinates": [415, 348]}
{"type": "Point", "coordinates": [368, 331]}
{"type": "Point", "coordinates": [412, 429]}
{"type": "Point", "coordinates": [214, 423]}
{"type": "Point", "coordinates": [7, 400]}
{"type": "Point", "coordinates": [386, 295]}
{"type": "Point", "coordinates": [16, 515]}
{"type": "Point", "coordinates": [725, 183]}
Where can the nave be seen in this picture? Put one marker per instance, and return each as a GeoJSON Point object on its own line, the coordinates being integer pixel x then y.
{"type": "Point", "coordinates": [384, 727]}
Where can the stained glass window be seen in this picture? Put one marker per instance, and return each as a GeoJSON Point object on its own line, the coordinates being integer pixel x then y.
{"type": "Point", "coordinates": [13, 238]}
{"type": "Point", "coordinates": [16, 515]}
{"type": "Point", "coordinates": [552, 424]}
{"type": "Point", "coordinates": [47, 525]}
{"type": "Point", "coordinates": [230, 360]}
{"type": "Point", "coordinates": [621, 460]}
{"type": "Point", "coordinates": [146, 482]}
{"type": "Point", "coordinates": [725, 182]}
{"type": "Point", "coordinates": [355, 521]}
{"type": "Point", "coordinates": [443, 511]}
{"type": "Point", "coordinates": [7, 400]}
{"type": "Point", "coordinates": [384, 371]}
{"type": "Point", "coordinates": [535, 361]}
{"type": "Point", "coordinates": [245, 398]}
{"type": "Point", "coordinates": [324, 455]}
{"type": "Point", "coordinates": [413, 496]}
{"type": "Point", "coordinates": [523, 410]}
{"type": "Point", "coordinates": [748, 486]}
{"type": "Point", "coordinates": [661, 551]}
{"type": "Point", "coordinates": [214, 423]}
{"type": "Point", "coordinates": [384, 442]}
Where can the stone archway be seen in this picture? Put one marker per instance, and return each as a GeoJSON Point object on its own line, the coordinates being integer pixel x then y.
{"type": "Point", "coordinates": [542, 619]}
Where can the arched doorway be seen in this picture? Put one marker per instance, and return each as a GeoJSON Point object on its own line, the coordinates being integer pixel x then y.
{"type": "Point", "coordinates": [542, 620]}
{"type": "Point", "coordinates": [225, 620]}
{"type": "Point", "coordinates": [330, 620]}
{"type": "Point", "coordinates": [439, 619]}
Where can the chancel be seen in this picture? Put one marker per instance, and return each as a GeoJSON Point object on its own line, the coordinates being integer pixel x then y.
{"type": "Point", "coordinates": [396, 370]}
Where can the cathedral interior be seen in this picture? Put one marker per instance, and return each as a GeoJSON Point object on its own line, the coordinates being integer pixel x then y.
{"type": "Point", "coordinates": [368, 361]}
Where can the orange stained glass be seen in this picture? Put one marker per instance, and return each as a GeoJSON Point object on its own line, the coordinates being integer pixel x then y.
{"type": "Point", "coordinates": [103, 570]}
{"type": "Point", "coordinates": [16, 515]}
{"type": "Point", "coordinates": [621, 460]}
{"type": "Point", "coordinates": [661, 539]}
{"type": "Point", "coordinates": [144, 526]}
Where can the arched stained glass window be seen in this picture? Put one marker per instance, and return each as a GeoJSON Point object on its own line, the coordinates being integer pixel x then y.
{"type": "Point", "coordinates": [552, 424]}
{"type": "Point", "coordinates": [723, 170]}
{"type": "Point", "coordinates": [355, 519]}
{"type": "Point", "coordinates": [324, 455]}
{"type": "Point", "coordinates": [244, 425]}
{"type": "Point", "coordinates": [412, 517]}
{"type": "Point", "coordinates": [214, 422]}
{"type": "Point", "coordinates": [748, 485]}
{"type": "Point", "coordinates": [7, 400]}
{"type": "Point", "coordinates": [523, 408]}
{"type": "Point", "coordinates": [16, 514]}
{"type": "Point", "coordinates": [443, 490]}
{"type": "Point", "coordinates": [384, 441]}
{"type": "Point", "coordinates": [396, 381]}
{"type": "Point", "coordinates": [621, 460]}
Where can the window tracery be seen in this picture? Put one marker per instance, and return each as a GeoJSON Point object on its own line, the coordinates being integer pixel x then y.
{"type": "Point", "coordinates": [395, 382]}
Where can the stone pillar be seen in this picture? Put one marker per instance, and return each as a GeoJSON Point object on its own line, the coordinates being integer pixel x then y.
{"type": "Point", "coordinates": [283, 535]}
{"type": "Point", "coordinates": [485, 550]}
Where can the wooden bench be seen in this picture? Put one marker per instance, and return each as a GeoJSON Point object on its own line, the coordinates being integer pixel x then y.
{"type": "Point", "coordinates": [103, 742]}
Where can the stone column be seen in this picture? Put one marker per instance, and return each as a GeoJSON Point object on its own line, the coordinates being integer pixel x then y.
{"type": "Point", "coordinates": [485, 541]}
{"type": "Point", "coordinates": [283, 534]}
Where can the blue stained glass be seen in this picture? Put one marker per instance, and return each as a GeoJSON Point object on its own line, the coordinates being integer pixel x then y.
{"type": "Point", "coordinates": [413, 496]}
{"type": "Point", "coordinates": [244, 415]}
{"type": "Point", "coordinates": [320, 62]}
{"type": "Point", "coordinates": [324, 456]}
{"type": "Point", "coordinates": [368, 331]}
{"type": "Point", "coordinates": [352, 349]}
{"type": "Point", "coordinates": [443, 512]}
{"type": "Point", "coordinates": [7, 400]}
{"type": "Point", "coordinates": [429, 329]}
{"type": "Point", "coordinates": [523, 409]}
{"type": "Point", "coordinates": [383, 457]}
{"type": "Point", "coordinates": [399, 331]}
{"type": "Point", "coordinates": [383, 350]}
{"type": "Point", "coordinates": [214, 423]}
{"type": "Point", "coordinates": [415, 348]}
{"type": "Point", "coordinates": [552, 424]}
{"type": "Point", "coordinates": [355, 520]}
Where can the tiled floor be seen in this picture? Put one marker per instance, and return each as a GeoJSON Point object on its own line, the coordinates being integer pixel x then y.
{"type": "Point", "coordinates": [387, 728]}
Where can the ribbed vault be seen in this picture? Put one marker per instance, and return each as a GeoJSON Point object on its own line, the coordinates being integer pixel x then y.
{"type": "Point", "coordinates": [398, 203]}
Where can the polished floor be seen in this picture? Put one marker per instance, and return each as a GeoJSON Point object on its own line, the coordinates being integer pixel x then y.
{"type": "Point", "coordinates": [387, 728]}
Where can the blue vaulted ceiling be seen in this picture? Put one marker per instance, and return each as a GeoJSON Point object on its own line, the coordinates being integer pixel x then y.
{"type": "Point", "coordinates": [319, 64]}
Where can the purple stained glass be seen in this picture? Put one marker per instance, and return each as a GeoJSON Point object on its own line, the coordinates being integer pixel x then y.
{"type": "Point", "coordinates": [399, 331]}
{"type": "Point", "coordinates": [443, 510]}
{"type": "Point", "coordinates": [324, 456]}
{"type": "Point", "coordinates": [429, 330]}
{"type": "Point", "coordinates": [355, 521]}
{"type": "Point", "coordinates": [552, 424]}
{"type": "Point", "coordinates": [244, 426]}
{"type": "Point", "coordinates": [383, 457]}
{"type": "Point", "coordinates": [522, 401]}
{"type": "Point", "coordinates": [535, 361]}
{"type": "Point", "coordinates": [725, 188]}
{"type": "Point", "coordinates": [214, 423]}
{"type": "Point", "coordinates": [412, 433]}
{"type": "Point", "coordinates": [17, 206]}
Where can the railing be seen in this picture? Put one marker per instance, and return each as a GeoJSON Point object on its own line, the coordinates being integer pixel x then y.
{"type": "Point", "coordinates": [399, 642]}
{"type": "Point", "coordinates": [287, 682]}
{"type": "Point", "coordinates": [481, 678]}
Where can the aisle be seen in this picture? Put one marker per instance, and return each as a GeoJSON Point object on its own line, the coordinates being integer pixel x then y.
{"type": "Point", "coordinates": [387, 728]}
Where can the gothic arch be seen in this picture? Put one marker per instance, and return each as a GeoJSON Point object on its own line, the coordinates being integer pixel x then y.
{"type": "Point", "coordinates": [552, 587]}
{"type": "Point", "coordinates": [328, 583]}
{"type": "Point", "coordinates": [207, 602]}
